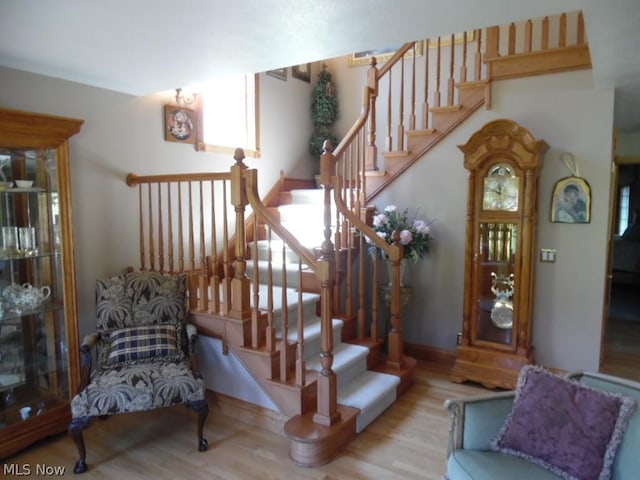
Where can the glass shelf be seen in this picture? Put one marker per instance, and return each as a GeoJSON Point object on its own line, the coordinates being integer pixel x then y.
{"type": "Point", "coordinates": [12, 316]}
{"type": "Point", "coordinates": [20, 256]}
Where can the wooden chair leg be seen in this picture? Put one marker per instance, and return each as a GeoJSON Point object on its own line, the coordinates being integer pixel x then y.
{"type": "Point", "coordinates": [202, 407]}
{"type": "Point", "coordinates": [75, 431]}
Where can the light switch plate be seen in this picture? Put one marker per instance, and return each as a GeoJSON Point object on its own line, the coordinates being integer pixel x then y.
{"type": "Point", "coordinates": [548, 255]}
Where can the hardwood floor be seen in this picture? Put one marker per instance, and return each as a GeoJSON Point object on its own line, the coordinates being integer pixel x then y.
{"type": "Point", "coordinates": [621, 346]}
{"type": "Point", "coordinates": [408, 441]}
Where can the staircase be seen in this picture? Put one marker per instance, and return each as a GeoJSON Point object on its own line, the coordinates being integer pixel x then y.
{"type": "Point", "coordinates": [323, 360]}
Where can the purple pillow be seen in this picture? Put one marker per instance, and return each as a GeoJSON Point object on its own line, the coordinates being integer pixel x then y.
{"type": "Point", "coordinates": [565, 427]}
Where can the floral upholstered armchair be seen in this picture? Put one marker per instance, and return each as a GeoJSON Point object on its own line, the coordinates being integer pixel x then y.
{"type": "Point", "coordinates": [144, 352]}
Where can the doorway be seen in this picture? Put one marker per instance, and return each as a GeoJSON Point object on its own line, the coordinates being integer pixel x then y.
{"type": "Point", "coordinates": [621, 334]}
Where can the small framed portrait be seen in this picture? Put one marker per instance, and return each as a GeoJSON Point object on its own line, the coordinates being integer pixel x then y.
{"type": "Point", "coordinates": [302, 72]}
{"type": "Point", "coordinates": [571, 201]}
{"type": "Point", "coordinates": [179, 124]}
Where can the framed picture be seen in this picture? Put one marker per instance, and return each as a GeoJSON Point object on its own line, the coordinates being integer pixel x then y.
{"type": "Point", "coordinates": [571, 201]}
{"type": "Point", "coordinates": [302, 72]}
{"type": "Point", "coordinates": [179, 124]}
{"type": "Point", "coordinates": [445, 40]}
{"type": "Point", "coordinates": [279, 73]}
{"type": "Point", "coordinates": [382, 54]}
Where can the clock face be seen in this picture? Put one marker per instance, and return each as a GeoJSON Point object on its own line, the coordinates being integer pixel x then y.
{"type": "Point", "coordinates": [501, 189]}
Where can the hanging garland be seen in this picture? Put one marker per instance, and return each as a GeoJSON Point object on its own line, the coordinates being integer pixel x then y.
{"type": "Point", "coordinates": [324, 111]}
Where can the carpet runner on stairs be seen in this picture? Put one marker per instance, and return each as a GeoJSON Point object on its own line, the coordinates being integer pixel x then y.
{"type": "Point", "coordinates": [370, 392]}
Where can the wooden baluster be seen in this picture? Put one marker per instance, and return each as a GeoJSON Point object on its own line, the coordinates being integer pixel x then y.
{"type": "Point", "coordinates": [192, 253]}
{"type": "Point", "coordinates": [545, 34]}
{"type": "Point", "coordinates": [204, 281]}
{"type": "Point", "coordinates": [271, 330]}
{"type": "Point", "coordinates": [255, 310]}
{"type": "Point", "coordinates": [512, 39]}
{"type": "Point", "coordinates": [361, 172]}
{"type": "Point", "coordinates": [389, 144]}
{"type": "Point", "coordinates": [143, 264]}
{"type": "Point", "coordinates": [436, 94]}
{"type": "Point", "coordinates": [451, 84]}
{"type": "Point", "coordinates": [477, 61]}
{"type": "Point", "coordinates": [493, 42]}
{"type": "Point", "coordinates": [362, 290]}
{"type": "Point", "coordinates": [300, 364]}
{"type": "Point", "coordinates": [400, 132]}
{"type": "Point", "coordinates": [370, 95]}
{"type": "Point", "coordinates": [152, 253]}
{"type": "Point", "coordinates": [349, 273]}
{"type": "Point", "coordinates": [562, 34]}
{"type": "Point", "coordinates": [284, 343]}
{"type": "Point", "coordinates": [580, 37]}
{"type": "Point", "coordinates": [425, 104]}
{"type": "Point", "coordinates": [226, 285]}
{"type": "Point", "coordinates": [375, 311]}
{"type": "Point", "coordinates": [170, 228]}
{"type": "Point", "coordinates": [214, 282]}
{"type": "Point", "coordinates": [412, 115]}
{"type": "Point", "coordinates": [160, 231]}
{"type": "Point", "coordinates": [463, 68]}
{"type": "Point", "coordinates": [180, 231]}
{"type": "Point", "coordinates": [528, 36]}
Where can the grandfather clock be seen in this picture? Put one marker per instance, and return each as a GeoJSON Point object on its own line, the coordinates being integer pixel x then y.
{"type": "Point", "coordinates": [503, 160]}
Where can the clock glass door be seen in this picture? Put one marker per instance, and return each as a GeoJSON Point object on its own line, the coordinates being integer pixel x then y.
{"type": "Point", "coordinates": [496, 279]}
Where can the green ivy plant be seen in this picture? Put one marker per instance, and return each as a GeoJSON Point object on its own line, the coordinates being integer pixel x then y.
{"type": "Point", "coordinates": [324, 112]}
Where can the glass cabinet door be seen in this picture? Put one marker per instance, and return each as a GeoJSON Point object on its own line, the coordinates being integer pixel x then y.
{"type": "Point", "coordinates": [496, 280]}
{"type": "Point", "coordinates": [33, 337]}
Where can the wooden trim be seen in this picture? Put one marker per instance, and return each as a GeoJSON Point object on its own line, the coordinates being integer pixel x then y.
{"type": "Point", "coordinates": [539, 63]}
{"type": "Point", "coordinates": [626, 159]}
{"type": "Point", "coordinates": [425, 353]}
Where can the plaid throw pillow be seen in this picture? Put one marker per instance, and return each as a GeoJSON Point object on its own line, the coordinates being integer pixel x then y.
{"type": "Point", "coordinates": [142, 343]}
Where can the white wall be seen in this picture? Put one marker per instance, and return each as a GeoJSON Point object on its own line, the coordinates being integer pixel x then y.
{"type": "Point", "coordinates": [570, 115]}
{"type": "Point", "coordinates": [123, 134]}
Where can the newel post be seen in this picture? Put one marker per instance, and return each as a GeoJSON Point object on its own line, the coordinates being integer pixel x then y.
{"type": "Point", "coordinates": [240, 284]}
{"type": "Point", "coordinates": [327, 408]}
{"type": "Point", "coordinates": [395, 358]}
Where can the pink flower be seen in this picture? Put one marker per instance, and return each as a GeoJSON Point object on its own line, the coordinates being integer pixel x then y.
{"type": "Point", "coordinates": [405, 237]}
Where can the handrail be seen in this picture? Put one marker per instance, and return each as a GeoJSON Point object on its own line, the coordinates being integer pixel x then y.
{"type": "Point", "coordinates": [133, 179]}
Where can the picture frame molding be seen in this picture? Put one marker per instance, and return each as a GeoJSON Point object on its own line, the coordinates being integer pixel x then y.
{"type": "Point", "coordinates": [382, 54]}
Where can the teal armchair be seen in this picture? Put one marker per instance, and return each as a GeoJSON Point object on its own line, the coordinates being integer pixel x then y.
{"type": "Point", "coordinates": [475, 421]}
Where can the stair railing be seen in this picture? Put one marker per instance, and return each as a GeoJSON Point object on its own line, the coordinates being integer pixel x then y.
{"type": "Point", "coordinates": [414, 94]}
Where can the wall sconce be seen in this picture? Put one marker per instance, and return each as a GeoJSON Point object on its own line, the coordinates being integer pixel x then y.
{"type": "Point", "coordinates": [185, 99]}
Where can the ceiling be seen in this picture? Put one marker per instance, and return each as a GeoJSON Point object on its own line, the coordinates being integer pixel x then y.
{"type": "Point", "coordinates": [146, 46]}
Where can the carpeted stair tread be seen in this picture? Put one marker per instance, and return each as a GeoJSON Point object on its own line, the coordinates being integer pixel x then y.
{"type": "Point", "coordinates": [348, 362]}
{"type": "Point", "coordinates": [372, 393]}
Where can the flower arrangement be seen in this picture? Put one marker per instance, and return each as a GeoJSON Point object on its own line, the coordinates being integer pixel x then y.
{"type": "Point", "coordinates": [414, 234]}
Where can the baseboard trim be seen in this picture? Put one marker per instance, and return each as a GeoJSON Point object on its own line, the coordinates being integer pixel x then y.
{"type": "Point", "coordinates": [440, 356]}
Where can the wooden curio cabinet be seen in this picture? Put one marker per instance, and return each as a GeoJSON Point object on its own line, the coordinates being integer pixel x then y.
{"type": "Point", "coordinates": [503, 160]}
{"type": "Point", "coordinates": [38, 309]}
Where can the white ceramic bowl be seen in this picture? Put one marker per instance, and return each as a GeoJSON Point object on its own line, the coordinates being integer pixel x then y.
{"type": "Point", "coordinates": [24, 183]}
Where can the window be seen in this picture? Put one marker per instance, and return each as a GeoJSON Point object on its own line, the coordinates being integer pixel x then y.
{"type": "Point", "coordinates": [228, 115]}
{"type": "Point", "coordinates": [624, 198]}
